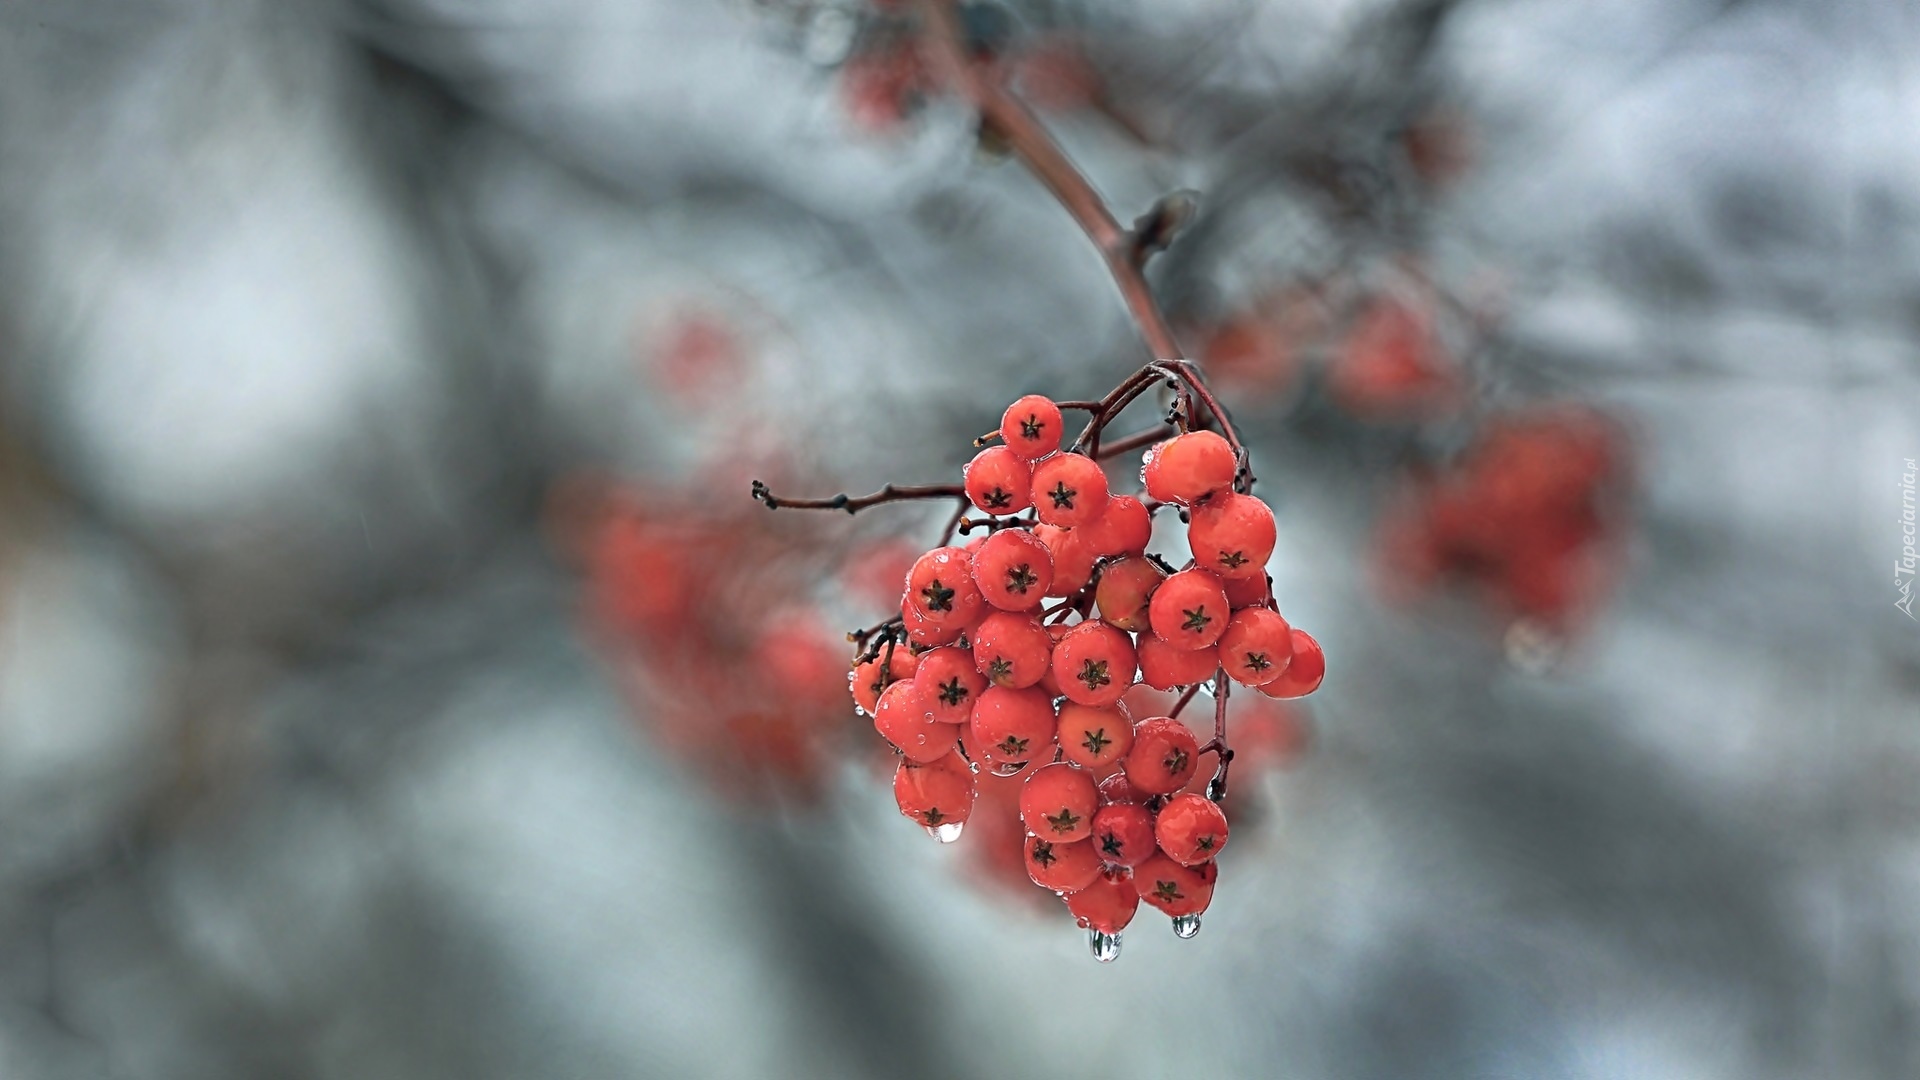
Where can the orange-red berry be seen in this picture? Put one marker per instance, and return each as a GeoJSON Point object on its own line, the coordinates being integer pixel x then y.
{"type": "Point", "coordinates": [1232, 535]}
{"type": "Point", "coordinates": [941, 590]}
{"type": "Point", "coordinates": [1257, 646]}
{"type": "Point", "coordinates": [1072, 561]}
{"type": "Point", "coordinates": [1188, 468]}
{"type": "Point", "coordinates": [1095, 737]}
{"type": "Point", "coordinates": [1174, 889]}
{"type": "Point", "coordinates": [1031, 427]}
{"type": "Point", "coordinates": [902, 719]}
{"type": "Point", "coordinates": [1106, 905]}
{"type": "Point", "coordinates": [867, 679]}
{"type": "Point", "coordinates": [999, 482]}
{"type": "Point", "coordinates": [1011, 727]}
{"type": "Point", "coordinates": [1124, 590]}
{"type": "Point", "coordinates": [1011, 649]}
{"type": "Point", "coordinates": [1063, 866]}
{"type": "Point", "coordinates": [949, 684]}
{"type": "Point", "coordinates": [1118, 789]}
{"type": "Point", "coordinates": [1164, 756]}
{"type": "Point", "coordinates": [1305, 674]}
{"type": "Point", "coordinates": [1189, 610]}
{"type": "Point", "coordinates": [1254, 591]}
{"type": "Point", "coordinates": [1069, 490]}
{"type": "Point", "coordinates": [1191, 829]}
{"type": "Point", "coordinates": [1094, 664]}
{"type": "Point", "coordinates": [1013, 569]}
{"type": "Point", "coordinates": [1058, 801]}
{"type": "Point", "coordinates": [1123, 528]}
{"type": "Point", "coordinates": [935, 793]}
{"type": "Point", "coordinates": [1055, 631]}
{"type": "Point", "coordinates": [1123, 833]}
{"type": "Point", "coordinates": [1164, 667]}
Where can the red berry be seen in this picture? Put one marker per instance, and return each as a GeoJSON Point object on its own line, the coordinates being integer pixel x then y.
{"type": "Point", "coordinates": [903, 720]}
{"type": "Point", "coordinates": [1094, 664]}
{"type": "Point", "coordinates": [1232, 535]}
{"type": "Point", "coordinates": [1011, 649]}
{"type": "Point", "coordinates": [1123, 528]}
{"type": "Point", "coordinates": [999, 482]}
{"type": "Point", "coordinates": [1011, 727]}
{"type": "Point", "coordinates": [1124, 589]}
{"type": "Point", "coordinates": [1188, 468]}
{"type": "Point", "coordinates": [1072, 561]}
{"type": "Point", "coordinates": [1191, 829]}
{"type": "Point", "coordinates": [1123, 833]}
{"type": "Point", "coordinates": [1013, 569]}
{"type": "Point", "coordinates": [1242, 592]}
{"type": "Point", "coordinates": [1257, 646]}
{"type": "Point", "coordinates": [1164, 667]}
{"type": "Point", "coordinates": [1031, 427]}
{"type": "Point", "coordinates": [1174, 889]}
{"type": "Point", "coordinates": [1055, 631]}
{"type": "Point", "coordinates": [1094, 737]}
{"type": "Point", "coordinates": [1058, 802]}
{"type": "Point", "coordinates": [1107, 905]}
{"type": "Point", "coordinates": [935, 793]}
{"type": "Point", "coordinates": [1118, 789]}
{"type": "Point", "coordinates": [1060, 865]}
{"type": "Point", "coordinates": [867, 681]}
{"type": "Point", "coordinates": [1189, 610]}
{"type": "Point", "coordinates": [949, 684]}
{"type": "Point", "coordinates": [1164, 756]}
{"type": "Point", "coordinates": [1304, 675]}
{"type": "Point", "coordinates": [926, 634]}
{"type": "Point", "coordinates": [940, 588]}
{"type": "Point", "coordinates": [1069, 490]}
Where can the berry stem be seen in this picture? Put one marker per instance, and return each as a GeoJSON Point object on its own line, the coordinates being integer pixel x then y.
{"type": "Point", "coordinates": [1217, 787]}
{"type": "Point", "coordinates": [1174, 713]}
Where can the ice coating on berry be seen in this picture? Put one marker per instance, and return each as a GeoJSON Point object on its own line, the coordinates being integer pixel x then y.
{"type": "Point", "coordinates": [1094, 664]}
{"type": "Point", "coordinates": [903, 719]}
{"type": "Point", "coordinates": [935, 793]}
{"type": "Point", "coordinates": [1191, 829]}
{"type": "Point", "coordinates": [1011, 649]}
{"type": "Point", "coordinates": [1257, 647]}
{"type": "Point", "coordinates": [1164, 667]}
{"type": "Point", "coordinates": [1012, 726]}
{"type": "Point", "coordinates": [1013, 569]}
{"type": "Point", "coordinates": [949, 684]}
{"type": "Point", "coordinates": [1063, 866]}
{"type": "Point", "coordinates": [1123, 834]}
{"type": "Point", "coordinates": [1123, 528]}
{"type": "Point", "coordinates": [1188, 468]}
{"type": "Point", "coordinates": [1031, 427]}
{"type": "Point", "coordinates": [1069, 490]}
{"type": "Point", "coordinates": [1107, 905]}
{"type": "Point", "coordinates": [1058, 802]}
{"type": "Point", "coordinates": [1304, 675]}
{"type": "Point", "coordinates": [1164, 756]}
{"type": "Point", "coordinates": [999, 482]}
{"type": "Point", "coordinates": [941, 590]}
{"type": "Point", "coordinates": [1118, 789]}
{"type": "Point", "coordinates": [1174, 889]}
{"type": "Point", "coordinates": [1126, 586]}
{"type": "Point", "coordinates": [1189, 610]}
{"type": "Point", "coordinates": [1232, 535]}
{"type": "Point", "coordinates": [1094, 736]}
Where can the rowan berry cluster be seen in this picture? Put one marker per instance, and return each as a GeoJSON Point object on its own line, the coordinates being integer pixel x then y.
{"type": "Point", "coordinates": [1015, 653]}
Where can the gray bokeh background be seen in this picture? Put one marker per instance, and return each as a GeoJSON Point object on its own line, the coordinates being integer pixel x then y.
{"type": "Point", "coordinates": [306, 769]}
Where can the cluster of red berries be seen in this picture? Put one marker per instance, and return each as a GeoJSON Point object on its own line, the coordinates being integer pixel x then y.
{"type": "Point", "coordinates": [1529, 514]}
{"type": "Point", "coordinates": [978, 673]}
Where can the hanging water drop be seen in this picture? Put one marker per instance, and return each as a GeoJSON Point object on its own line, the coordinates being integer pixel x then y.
{"type": "Point", "coordinates": [1185, 926]}
{"type": "Point", "coordinates": [1106, 947]}
{"type": "Point", "coordinates": [947, 833]}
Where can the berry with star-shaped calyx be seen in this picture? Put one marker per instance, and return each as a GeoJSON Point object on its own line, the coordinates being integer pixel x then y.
{"type": "Point", "coordinates": [1014, 570]}
{"type": "Point", "coordinates": [1031, 427]}
{"type": "Point", "coordinates": [1232, 535]}
{"type": "Point", "coordinates": [1126, 586]}
{"type": "Point", "coordinates": [1011, 649]}
{"type": "Point", "coordinates": [1164, 756]}
{"type": "Point", "coordinates": [1107, 904]}
{"type": "Point", "coordinates": [1061, 865]}
{"type": "Point", "coordinates": [1303, 676]}
{"type": "Point", "coordinates": [998, 482]}
{"type": "Point", "coordinates": [1095, 737]}
{"type": "Point", "coordinates": [1257, 647]}
{"type": "Point", "coordinates": [1123, 833]}
{"type": "Point", "coordinates": [869, 679]}
{"type": "Point", "coordinates": [1094, 664]}
{"type": "Point", "coordinates": [1069, 490]}
{"type": "Point", "coordinates": [1165, 667]}
{"type": "Point", "coordinates": [1072, 562]}
{"type": "Point", "coordinates": [1058, 801]}
{"type": "Point", "coordinates": [1174, 889]}
{"type": "Point", "coordinates": [940, 588]}
{"type": "Point", "coordinates": [949, 683]}
{"type": "Point", "coordinates": [1189, 610]}
{"type": "Point", "coordinates": [903, 719]}
{"type": "Point", "coordinates": [1011, 727]}
{"type": "Point", "coordinates": [1123, 528]}
{"type": "Point", "coordinates": [935, 793]}
{"type": "Point", "coordinates": [1191, 829]}
{"type": "Point", "coordinates": [1188, 468]}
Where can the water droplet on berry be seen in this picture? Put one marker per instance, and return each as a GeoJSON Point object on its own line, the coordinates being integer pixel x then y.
{"type": "Point", "coordinates": [1008, 768]}
{"type": "Point", "coordinates": [1185, 926]}
{"type": "Point", "coordinates": [947, 833]}
{"type": "Point", "coordinates": [1106, 947]}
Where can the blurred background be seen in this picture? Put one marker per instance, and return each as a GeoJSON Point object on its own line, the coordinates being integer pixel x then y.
{"type": "Point", "coordinates": [396, 680]}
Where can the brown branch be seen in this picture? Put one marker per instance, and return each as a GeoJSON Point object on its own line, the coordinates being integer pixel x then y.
{"type": "Point", "coordinates": [1217, 787]}
{"type": "Point", "coordinates": [890, 494]}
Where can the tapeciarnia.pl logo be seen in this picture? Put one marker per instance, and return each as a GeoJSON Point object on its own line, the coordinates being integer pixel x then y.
{"type": "Point", "coordinates": [1903, 568]}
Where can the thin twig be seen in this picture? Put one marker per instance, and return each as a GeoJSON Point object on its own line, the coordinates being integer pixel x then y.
{"type": "Point", "coordinates": [890, 494]}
